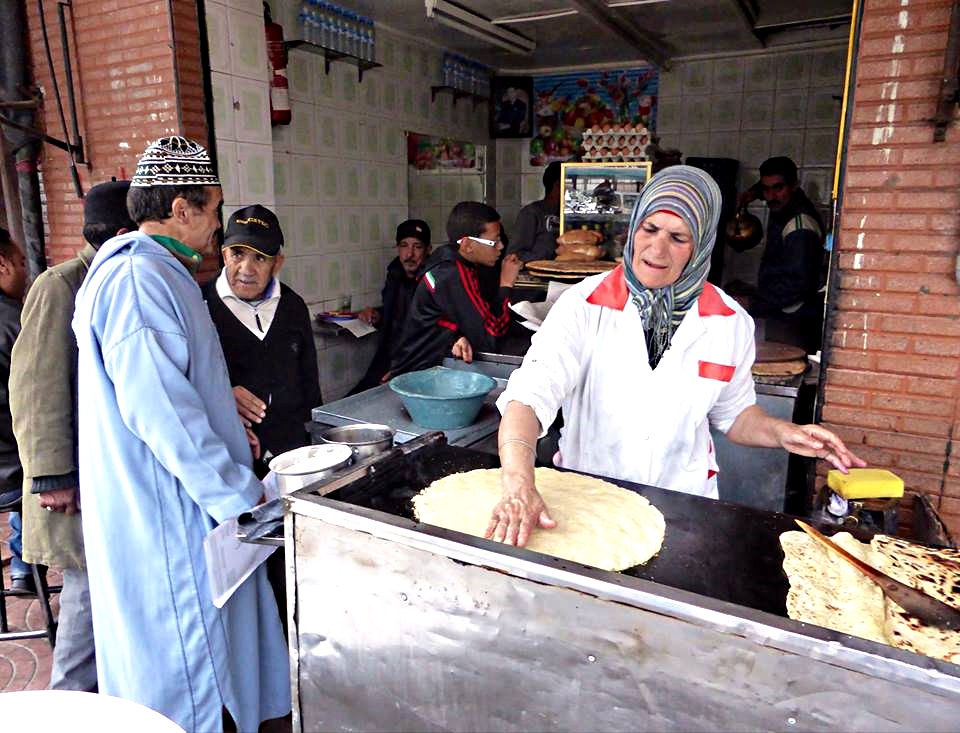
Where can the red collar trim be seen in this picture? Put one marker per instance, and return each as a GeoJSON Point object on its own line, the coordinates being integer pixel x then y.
{"type": "Point", "coordinates": [612, 291]}
{"type": "Point", "coordinates": [710, 303]}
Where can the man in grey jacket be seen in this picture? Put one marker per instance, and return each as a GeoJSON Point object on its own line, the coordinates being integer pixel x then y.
{"type": "Point", "coordinates": [43, 385]}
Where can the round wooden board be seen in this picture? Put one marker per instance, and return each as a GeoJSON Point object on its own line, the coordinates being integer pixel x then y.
{"type": "Point", "coordinates": [780, 368]}
{"type": "Point", "coordinates": [568, 267]}
{"type": "Point", "coordinates": [771, 351]}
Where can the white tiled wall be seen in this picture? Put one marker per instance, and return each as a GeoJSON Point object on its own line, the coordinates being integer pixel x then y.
{"type": "Point", "coordinates": [337, 175]}
{"type": "Point", "coordinates": [241, 102]}
{"type": "Point", "coordinates": [753, 107]}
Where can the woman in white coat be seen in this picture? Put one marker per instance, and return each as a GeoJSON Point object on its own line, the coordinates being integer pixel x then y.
{"type": "Point", "coordinates": [643, 360]}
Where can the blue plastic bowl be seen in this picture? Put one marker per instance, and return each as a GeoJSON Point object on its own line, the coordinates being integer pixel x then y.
{"type": "Point", "coordinates": [441, 398]}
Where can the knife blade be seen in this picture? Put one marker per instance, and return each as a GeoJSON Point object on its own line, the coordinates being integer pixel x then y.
{"type": "Point", "coordinates": [922, 606]}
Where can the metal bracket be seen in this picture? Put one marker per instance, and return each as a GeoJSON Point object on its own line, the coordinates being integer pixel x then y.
{"type": "Point", "coordinates": [76, 149]}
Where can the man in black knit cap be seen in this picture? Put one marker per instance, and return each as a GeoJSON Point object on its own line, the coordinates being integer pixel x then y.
{"type": "Point", "coordinates": [266, 335]}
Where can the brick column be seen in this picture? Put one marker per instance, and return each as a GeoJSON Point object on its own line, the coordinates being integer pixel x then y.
{"type": "Point", "coordinates": [893, 361]}
{"type": "Point", "coordinates": [125, 54]}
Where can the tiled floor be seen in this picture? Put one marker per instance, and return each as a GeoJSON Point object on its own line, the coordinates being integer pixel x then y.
{"type": "Point", "coordinates": [24, 664]}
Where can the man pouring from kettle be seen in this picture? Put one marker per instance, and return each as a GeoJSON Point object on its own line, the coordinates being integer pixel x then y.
{"type": "Point", "coordinates": [791, 273]}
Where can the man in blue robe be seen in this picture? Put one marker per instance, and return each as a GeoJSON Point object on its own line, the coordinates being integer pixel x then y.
{"type": "Point", "coordinates": [163, 459]}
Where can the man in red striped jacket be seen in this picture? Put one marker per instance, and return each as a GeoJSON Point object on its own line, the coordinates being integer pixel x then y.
{"type": "Point", "coordinates": [448, 315]}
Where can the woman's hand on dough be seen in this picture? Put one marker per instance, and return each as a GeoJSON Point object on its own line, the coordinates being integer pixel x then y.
{"type": "Point", "coordinates": [521, 509]}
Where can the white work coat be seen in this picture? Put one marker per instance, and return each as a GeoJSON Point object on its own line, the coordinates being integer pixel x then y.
{"type": "Point", "coordinates": [623, 419]}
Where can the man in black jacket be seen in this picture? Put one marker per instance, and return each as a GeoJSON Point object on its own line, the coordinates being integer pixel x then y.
{"type": "Point", "coordinates": [449, 315]}
{"type": "Point", "coordinates": [413, 248]}
{"type": "Point", "coordinates": [266, 335]}
{"type": "Point", "coordinates": [791, 267]}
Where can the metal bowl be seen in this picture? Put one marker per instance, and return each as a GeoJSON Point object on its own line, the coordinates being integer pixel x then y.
{"type": "Point", "coordinates": [364, 439]}
{"type": "Point", "coordinates": [441, 398]}
{"type": "Point", "coordinates": [303, 466]}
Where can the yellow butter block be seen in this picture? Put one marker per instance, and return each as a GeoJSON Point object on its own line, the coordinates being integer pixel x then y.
{"type": "Point", "coordinates": [865, 483]}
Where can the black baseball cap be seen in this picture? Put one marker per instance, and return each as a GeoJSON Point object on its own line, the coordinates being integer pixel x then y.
{"type": "Point", "coordinates": [416, 228]}
{"type": "Point", "coordinates": [255, 227]}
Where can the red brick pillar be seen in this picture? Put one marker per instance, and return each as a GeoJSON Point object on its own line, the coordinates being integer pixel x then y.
{"type": "Point", "coordinates": [136, 74]}
{"type": "Point", "coordinates": [893, 361]}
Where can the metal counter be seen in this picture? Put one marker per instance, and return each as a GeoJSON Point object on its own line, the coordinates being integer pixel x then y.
{"type": "Point", "coordinates": [403, 626]}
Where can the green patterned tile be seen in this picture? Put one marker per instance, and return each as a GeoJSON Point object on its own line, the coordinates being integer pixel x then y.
{"type": "Point", "coordinates": [298, 72]}
{"type": "Point", "coordinates": [328, 131]}
{"type": "Point", "coordinates": [307, 235]}
{"type": "Point", "coordinates": [331, 228]}
{"type": "Point", "coordinates": [374, 230]}
{"type": "Point", "coordinates": [390, 94]}
{"type": "Point", "coordinates": [256, 172]}
{"type": "Point", "coordinates": [353, 227]}
{"type": "Point", "coordinates": [281, 165]}
{"type": "Point", "coordinates": [333, 276]}
{"type": "Point", "coordinates": [324, 84]}
{"type": "Point", "coordinates": [304, 180]}
{"type": "Point", "coordinates": [352, 181]}
{"type": "Point", "coordinates": [393, 141]}
{"type": "Point", "coordinates": [329, 180]}
{"type": "Point", "coordinates": [371, 92]}
{"type": "Point", "coordinates": [407, 100]}
{"type": "Point", "coordinates": [311, 283]}
{"type": "Point", "coordinates": [351, 136]}
{"type": "Point", "coordinates": [248, 49]}
{"type": "Point", "coordinates": [425, 67]}
{"type": "Point", "coordinates": [371, 134]}
{"type": "Point", "coordinates": [373, 183]}
{"type": "Point", "coordinates": [391, 179]}
{"type": "Point", "coordinates": [389, 48]}
{"type": "Point", "coordinates": [472, 188]}
{"type": "Point", "coordinates": [356, 272]}
{"type": "Point", "coordinates": [348, 87]}
{"type": "Point", "coordinates": [407, 58]}
{"type": "Point", "coordinates": [374, 268]}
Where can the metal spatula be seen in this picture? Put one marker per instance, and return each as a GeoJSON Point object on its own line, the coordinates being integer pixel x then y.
{"type": "Point", "coordinates": [925, 608]}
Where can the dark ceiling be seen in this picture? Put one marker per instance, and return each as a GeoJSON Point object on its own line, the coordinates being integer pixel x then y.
{"type": "Point", "coordinates": [585, 32]}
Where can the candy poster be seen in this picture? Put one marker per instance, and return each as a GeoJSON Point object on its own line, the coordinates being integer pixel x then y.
{"type": "Point", "coordinates": [567, 104]}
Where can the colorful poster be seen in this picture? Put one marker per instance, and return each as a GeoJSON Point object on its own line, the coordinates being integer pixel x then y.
{"type": "Point", "coordinates": [567, 104]}
{"type": "Point", "coordinates": [426, 152]}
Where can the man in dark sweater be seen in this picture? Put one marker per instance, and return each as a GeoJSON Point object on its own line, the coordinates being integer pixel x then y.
{"type": "Point", "coordinates": [413, 248]}
{"type": "Point", "coordinates": [266, 335]}
{"type": "Point", "coordinates": [448, 315]}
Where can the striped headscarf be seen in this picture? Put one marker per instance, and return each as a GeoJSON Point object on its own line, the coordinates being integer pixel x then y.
{"type": "Point", "coordinates": [691, 194]}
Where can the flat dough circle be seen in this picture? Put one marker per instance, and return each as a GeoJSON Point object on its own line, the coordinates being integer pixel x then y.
{"type": "Point", "coordinates": [598, 523]}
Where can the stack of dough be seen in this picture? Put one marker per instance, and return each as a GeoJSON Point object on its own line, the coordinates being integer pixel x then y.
{"type": "Point", "coordinates": [579, 244]}
{"type": "Point", "coordinates": [826, 590]}
{"type": "Point", "coordinates": [598, 523]}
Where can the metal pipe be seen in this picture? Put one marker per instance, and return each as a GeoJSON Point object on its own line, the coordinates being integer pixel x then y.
{"type": "Point", "coordinates": [14, 79]}
{"type": "Point", "coordinates": [68, 72]}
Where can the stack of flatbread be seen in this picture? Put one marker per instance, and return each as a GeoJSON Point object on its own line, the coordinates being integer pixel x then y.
{"type": "Point", "coordinates": [827, 591]}
{"type": "Point", "coordinates": [598, 523]}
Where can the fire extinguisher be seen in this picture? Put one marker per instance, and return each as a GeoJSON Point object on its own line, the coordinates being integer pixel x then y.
{"type": "Point", "coordinates": [279, 86]}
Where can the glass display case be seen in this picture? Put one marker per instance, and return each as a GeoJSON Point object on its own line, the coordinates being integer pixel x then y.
{"type": "Point", "coordinates": [601, 197]}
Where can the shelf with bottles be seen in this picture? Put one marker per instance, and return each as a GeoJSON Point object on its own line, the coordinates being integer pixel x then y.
{"type": "Point", "coordinates": [330, 55]}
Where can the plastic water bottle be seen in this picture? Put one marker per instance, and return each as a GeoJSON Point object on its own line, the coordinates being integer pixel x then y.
{"type": "Point", "coordinates": [304, 19]}
{"type": "Point", "coordinates": [334, 28]}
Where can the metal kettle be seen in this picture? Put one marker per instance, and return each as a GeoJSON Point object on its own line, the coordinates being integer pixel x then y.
{"type": "Point", "coordinates": [744, 231]}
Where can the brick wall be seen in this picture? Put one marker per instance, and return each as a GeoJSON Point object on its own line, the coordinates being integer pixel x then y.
{"type": "Point", "coordinates": [127, 95]}
{"type": "Point", "coordinates": [891, 387]}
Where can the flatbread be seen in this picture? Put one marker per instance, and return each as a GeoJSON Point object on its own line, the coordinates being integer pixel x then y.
{"type": "Point", "coordinates": [582, 267]}
{"type": "Point", "coordinates": [936, 572]}
{"type": "Point", "coordinates": [827, 591]}
{"type": "Point", "coordinates": [598, 523]}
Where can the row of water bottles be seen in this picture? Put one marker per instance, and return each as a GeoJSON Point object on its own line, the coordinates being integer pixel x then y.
{"type": "Point", "coordinates": [465, 75]}
{"type": "Point", "coordinates": [338, 29]}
